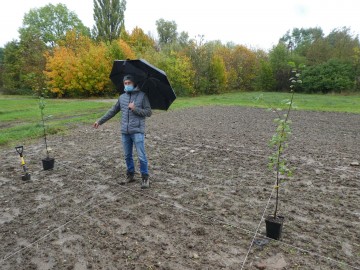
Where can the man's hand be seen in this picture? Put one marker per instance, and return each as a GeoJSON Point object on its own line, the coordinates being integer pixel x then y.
{"type": "Point", "coordinates": [132, 106]}
{"type": "Point", "coordinates": [96, 125]}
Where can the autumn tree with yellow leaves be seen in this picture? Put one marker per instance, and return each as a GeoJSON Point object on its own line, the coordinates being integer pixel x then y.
{"type": "Point", "coordinates": [81, 67]}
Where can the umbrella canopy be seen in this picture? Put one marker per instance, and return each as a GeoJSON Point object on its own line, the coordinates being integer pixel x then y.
{"type": "Point", "coordinates": [150, 79]}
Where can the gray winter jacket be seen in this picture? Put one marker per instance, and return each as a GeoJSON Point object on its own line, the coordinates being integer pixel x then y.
{"type": "Point", "coordinates": [131, 121]}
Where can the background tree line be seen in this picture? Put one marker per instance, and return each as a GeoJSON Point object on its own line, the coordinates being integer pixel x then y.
{"type": "Point", "coordinates": [58, 54]}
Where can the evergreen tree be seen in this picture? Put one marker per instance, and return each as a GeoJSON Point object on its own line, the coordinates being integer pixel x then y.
{"type": "Point", "coordinates": [109, 19]}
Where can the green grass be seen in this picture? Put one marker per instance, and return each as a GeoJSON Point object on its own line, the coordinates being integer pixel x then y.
{"type": "Point", "coordinates": [329, 103]}
{"type": "Point", "coordinates": [20, 115]}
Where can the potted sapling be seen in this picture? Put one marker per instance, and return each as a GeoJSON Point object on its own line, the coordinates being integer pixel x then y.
{"type": "Point", "coordinates": [48, 162]}
{"type": "Point", "coordinates": [277, 160]}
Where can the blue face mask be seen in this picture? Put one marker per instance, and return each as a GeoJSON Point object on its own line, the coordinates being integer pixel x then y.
{"type": "Point", "coordinates": [129, 88]}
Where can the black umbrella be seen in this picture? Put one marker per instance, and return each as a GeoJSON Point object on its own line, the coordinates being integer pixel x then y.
{"type": "Point", "coordinates": [150, 79]}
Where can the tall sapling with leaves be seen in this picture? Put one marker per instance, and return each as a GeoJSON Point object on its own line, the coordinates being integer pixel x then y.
{"type": "Point", "coordinates": [277, 161]}
{"type": "Point", "coordinates": [278, 143]}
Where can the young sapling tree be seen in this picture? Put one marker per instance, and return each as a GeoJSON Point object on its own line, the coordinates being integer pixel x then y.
{"type": "Point", "coordinates": [279, 141]}
{"type": "Point", "coordinates": [277, 160]}
{"type": "Point", "coordinates": [48, 163]}
{"type": "Point", "coordinates": [42, 106]}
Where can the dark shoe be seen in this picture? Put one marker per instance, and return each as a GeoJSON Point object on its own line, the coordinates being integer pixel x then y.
{"type": "Point", "coordinates": [145, 181]}
{"type": "Point", "coordinates": [129, 178]}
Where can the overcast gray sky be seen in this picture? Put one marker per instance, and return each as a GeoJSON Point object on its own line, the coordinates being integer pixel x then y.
{"type": "Point", "coordinates": [253, 23]}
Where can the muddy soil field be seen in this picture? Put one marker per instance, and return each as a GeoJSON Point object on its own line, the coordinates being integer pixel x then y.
{"type": "Point", "coordinates": [210, 190]}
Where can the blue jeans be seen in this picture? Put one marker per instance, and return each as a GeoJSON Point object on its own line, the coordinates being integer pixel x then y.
{"type": "Point", "coordinates": [128, 141]}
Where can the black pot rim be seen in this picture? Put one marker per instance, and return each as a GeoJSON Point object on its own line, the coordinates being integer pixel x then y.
{"type": "Point", "coordinates": [48, 159]}
{"type": "Point", "coordinates": [279, 219]}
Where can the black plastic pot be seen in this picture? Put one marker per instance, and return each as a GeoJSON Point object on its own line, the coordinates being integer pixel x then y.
{"type": "Point", "coordinates": [274, 226]}
{"type": "Point", "coordinates": [48, 163]}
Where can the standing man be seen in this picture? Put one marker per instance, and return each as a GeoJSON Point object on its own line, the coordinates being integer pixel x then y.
{"type": "Point", "coordinates": [134, 106]}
